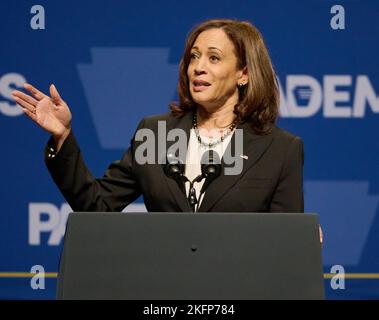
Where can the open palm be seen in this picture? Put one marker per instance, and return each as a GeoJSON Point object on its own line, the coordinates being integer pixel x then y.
{"type": "Point", "coordinates": [50, 113]}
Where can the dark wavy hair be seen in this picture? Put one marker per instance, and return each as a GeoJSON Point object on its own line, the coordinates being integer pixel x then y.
{"type": "Point", "coordinates": [259, 98]}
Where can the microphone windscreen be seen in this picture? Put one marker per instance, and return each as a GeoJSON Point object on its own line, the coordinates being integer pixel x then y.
{"type": "Point", "coordinates": [210, 166]}
{"type": "Point", "coordinates": [174, 166]}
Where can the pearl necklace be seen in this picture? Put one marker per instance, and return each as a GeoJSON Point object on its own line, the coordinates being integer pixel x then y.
{"type": "Point", "coordinates": [230, 129]}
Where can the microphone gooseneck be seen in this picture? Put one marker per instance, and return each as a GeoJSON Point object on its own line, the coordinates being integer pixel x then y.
{"type": "Point", "coordinates": [174, 169]}
{"type": "Point", "coordinates": [210, 169]}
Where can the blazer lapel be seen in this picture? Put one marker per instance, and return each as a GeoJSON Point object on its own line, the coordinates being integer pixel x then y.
{"type": "Point", "coordinates": [254, 147]}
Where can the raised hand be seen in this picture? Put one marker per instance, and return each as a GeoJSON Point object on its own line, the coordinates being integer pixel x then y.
{"type": "Point", "coordinates": [50, 113]}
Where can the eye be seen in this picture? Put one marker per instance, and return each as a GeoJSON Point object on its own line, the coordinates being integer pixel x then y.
{"type": "Point", "coordinates": [214, 58]}
{"type": "Point", "coordinates": [192, 56]}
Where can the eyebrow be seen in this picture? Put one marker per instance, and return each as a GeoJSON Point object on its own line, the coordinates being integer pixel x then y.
{"type": "Point", "coordinates": [209, 48]}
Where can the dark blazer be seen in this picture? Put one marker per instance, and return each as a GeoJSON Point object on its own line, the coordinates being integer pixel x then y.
{"type": "Point", "coordinates": [271, 179]}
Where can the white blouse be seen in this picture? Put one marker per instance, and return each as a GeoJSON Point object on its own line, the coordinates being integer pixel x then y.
{"type": "Point", "coordinates": [194, 153]}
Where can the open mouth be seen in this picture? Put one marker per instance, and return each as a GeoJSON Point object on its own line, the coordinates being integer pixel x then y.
{"type": "Point", "coordinates": [200, 85]}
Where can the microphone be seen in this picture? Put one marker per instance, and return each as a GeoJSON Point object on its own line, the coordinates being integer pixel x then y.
{"type": "Point", "coordinates": [210, 168]}
{"type": "Point", "coordinates": [174, 168]}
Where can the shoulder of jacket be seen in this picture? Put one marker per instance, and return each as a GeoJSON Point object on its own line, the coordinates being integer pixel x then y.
{"type": "Point", "coordinates": [284, 136]}
{"type": "Point", "coordinates": [152, 119]}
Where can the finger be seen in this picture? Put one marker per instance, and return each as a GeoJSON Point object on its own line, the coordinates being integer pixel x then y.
{"type": "Point", "coordinates": [25, 104]}
{"type": "Point", "coordinates": [32, 115]}
{"type": "Point", "coordinates": [34, 91]}
{"type": "Point", "coordinates": [24, 97]}
{"type": "Point", "coordinates": [55, 94]}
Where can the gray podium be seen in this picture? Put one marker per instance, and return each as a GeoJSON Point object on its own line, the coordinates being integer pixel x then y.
{"type": "Point", "coordinates": [196, 256]}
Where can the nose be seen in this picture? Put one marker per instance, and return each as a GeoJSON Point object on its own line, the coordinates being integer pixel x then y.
{"type": "Point", "coordinates": [199, 67]}
{"type": "Point", "coordinates": [199, 71]}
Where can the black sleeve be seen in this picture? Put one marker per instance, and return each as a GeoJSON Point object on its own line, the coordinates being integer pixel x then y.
{"type": "Point", "coordinates": [113, 192]}
{"type": "Point", "coordinates": [288, 196]}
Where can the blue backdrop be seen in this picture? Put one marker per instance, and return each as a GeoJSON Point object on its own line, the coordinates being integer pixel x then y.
{"type": "Point", "coordinates": [115, 62]}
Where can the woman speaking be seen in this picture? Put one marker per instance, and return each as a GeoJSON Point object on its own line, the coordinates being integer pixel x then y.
{"type": "Point", "coordinates": [227, 84]}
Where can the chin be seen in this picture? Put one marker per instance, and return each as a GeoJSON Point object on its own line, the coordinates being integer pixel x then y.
{"type": "Point", "coordinates": [200, 97]}
{"type": "Point", "coordinates": [203, 102]}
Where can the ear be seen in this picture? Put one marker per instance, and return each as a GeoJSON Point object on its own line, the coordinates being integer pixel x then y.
{"type": "Point", "coordinates": [243, 76]}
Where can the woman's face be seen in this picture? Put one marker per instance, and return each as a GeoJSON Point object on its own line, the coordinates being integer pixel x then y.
{"type": "Point", "coordinates": [212, 72]}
